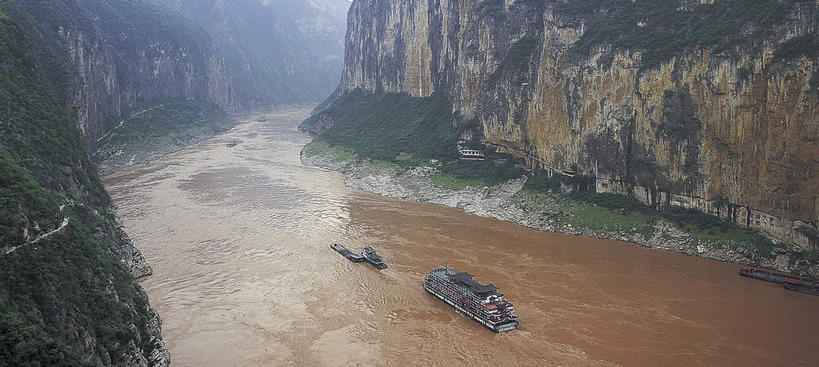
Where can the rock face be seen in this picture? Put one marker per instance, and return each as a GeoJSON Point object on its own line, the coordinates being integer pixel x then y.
{"type": "Point", "coordinates": [70, 72]}
{"type": "Point", "coordinates": [118, 56]}
{"type": "Point", "coordinates": [113, 58]}
{"type": "Point", "coordinates": [732, 131]}
{"type": "Point", "coordinates": [68, 294]}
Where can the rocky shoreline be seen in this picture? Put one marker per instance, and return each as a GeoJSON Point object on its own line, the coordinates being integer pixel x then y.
{"type": "Point", "coordinates": [506, 202]}
{"type": "Point", "coordinates": [119, 244]}
{"type": "Point", "coordinates": [121, 159]}
{"type": "Point", "coordinates": [112, 159]}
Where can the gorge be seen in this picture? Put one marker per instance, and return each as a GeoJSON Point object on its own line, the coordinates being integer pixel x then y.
{"type": "Point", "coordinates": [117, 83]}
{"type": "Point", "coordinates": [683, 125]}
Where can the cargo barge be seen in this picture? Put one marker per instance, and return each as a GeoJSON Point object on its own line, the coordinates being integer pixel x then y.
{"type": "Point", "coordinates": [349, 255]}
{"type": "Point", "coordinates": [802, 285]}
{"type": "Point", "coordinates": [482, 302]}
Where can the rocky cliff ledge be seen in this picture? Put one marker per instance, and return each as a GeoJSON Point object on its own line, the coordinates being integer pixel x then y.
{"type": "Point", "coordinates": [705, 104]}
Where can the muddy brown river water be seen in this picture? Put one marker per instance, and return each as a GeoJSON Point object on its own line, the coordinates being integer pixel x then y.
{"type": "Point", "coordinates": [238, 239]}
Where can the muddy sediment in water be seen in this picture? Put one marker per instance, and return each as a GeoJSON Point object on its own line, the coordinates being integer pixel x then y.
{"type": "Point", "coordinates": [238, 239]}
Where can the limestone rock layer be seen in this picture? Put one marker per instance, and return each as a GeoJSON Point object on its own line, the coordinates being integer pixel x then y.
{"type": "Point", "coordinates": [733, 132]}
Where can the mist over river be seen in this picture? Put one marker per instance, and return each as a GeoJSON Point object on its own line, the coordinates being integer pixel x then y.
{"type": "Point", "coordinates": [238, 239]}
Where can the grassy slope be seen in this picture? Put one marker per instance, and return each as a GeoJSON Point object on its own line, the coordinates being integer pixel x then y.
{"type": "Point", "coordinates": [403, 130]}
{"type": "Point", "coordinates": [53, 293]}
{"type": "Point", "coordinates": [667, 29]}
{"type": "Point", "coordinates": [382, 126]}
{"type": "Point", "coordinates": [160, 126]}
{"type": "Point", "coordinates": [621, 213]}
{"type": "Point", "coordinates": [459, 174]}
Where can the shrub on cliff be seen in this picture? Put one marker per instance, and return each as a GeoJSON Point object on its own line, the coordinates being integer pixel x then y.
{"type": "Point", "coordinates": [383, 126]}
{"type": "Point", "coordinates": [459, 174]}
{"type": "Point", "coordinates": [64, 300]}
{"type": "Point", "coordinates": [662, 28]}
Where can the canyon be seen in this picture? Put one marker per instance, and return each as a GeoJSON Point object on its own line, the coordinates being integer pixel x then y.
{"type": "Point", "coordinates": [76, 80]}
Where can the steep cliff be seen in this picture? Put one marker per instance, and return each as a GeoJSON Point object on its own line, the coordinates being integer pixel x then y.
{"type": "Point", "coordinates": [114, 57]}
{"type": "Point", "coordinates": [277, 52]}
{"type": "Point", "coordinates": [120, 76]}
{"type": "Point", "coordinates": [703, 104]}
{"type": "Point", "coordinates": [67, 289]}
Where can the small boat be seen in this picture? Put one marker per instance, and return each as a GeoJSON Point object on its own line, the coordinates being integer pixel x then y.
{"type": "Point", "coordinates": [803, 285]}
{"type": "Point", "coordinates": [372, 257]}
{"type": "Point", "coordinates": [232, 144]}
{"type": "Point", "coordinates": [568, 172]}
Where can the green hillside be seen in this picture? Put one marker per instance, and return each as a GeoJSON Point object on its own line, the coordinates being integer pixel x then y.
{"type": "Point", "coordinates": [59, 292]}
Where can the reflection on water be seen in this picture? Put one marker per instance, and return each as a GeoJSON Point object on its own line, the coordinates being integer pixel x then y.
{"type": "Point", "coordinates": [238, 238]}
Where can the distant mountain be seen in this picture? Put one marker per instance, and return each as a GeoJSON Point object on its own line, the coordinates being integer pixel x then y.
{"type": "Point", "coordinates": [277, 51]}
{"type": "Point", "coordinates": [109, 58]}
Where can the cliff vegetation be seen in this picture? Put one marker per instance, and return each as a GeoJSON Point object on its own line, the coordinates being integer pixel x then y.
{"type": "Point", "coordinates": [388, 127]}
{"type": "Point", "coordinates": [67, 289]}
{"type": "Point", "coordinates": [156, 131]}
{"type": "Point", "coordinates": [664, 28]}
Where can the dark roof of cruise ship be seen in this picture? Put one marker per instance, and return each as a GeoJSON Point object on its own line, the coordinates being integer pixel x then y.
{"type": "Point", "coordinates": [466, 279]}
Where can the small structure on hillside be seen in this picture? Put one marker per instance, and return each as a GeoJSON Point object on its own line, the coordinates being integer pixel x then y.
{"type": "Point", "coordinates": [470, 154]}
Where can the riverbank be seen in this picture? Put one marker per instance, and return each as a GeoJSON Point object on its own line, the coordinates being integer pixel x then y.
{"type": "Point", "coordinates": [155, 132]}
{"type": "Point", "coordinates": [546, 211]}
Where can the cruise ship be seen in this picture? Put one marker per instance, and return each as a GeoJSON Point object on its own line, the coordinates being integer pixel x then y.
{"type": "Point", "coordinates": [482, 302]}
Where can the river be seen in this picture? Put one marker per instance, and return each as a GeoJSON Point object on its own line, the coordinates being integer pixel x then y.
{"type": "Point", "coordinates": [238, 239]}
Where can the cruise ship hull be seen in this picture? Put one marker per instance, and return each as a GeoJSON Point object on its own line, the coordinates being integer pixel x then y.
{"type": "Point", "coordinates": [506, 326]}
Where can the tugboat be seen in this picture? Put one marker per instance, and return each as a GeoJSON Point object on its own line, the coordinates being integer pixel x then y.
{"type": "Point", "coordinates": [482, 302]}
{"type": "Point", "coordinates": [790, 282]}
{"type": "Point", "coordinates": [373, 258]}
{"type": "Point", "coordinates": [349, 255]}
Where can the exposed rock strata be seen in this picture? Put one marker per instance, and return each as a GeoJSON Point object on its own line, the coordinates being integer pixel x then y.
{"type": "Point", "coordinates": [733, 134]}
{"type": "Point", "coordinates": [121, 56]}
